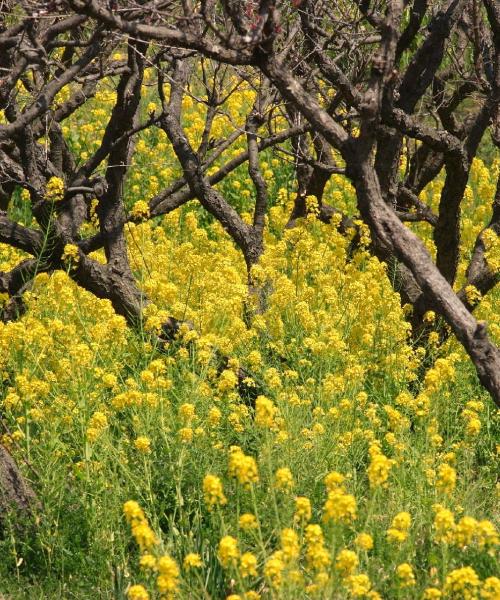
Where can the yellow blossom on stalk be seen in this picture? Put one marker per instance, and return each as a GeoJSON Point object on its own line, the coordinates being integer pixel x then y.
{"type": "Point", "coordinates": [273, 570]}
{"type": "Point", "coordinates": [303, 511]}
{"type": "Point", "coordinates": [487, 534]}
{"type": "Point", "coordinates": [364, 541]}
{"type": "Point", "coordinates": [97, 425]}
{"type": "Point", "coordinates": [248, 565]}
{"type": "Point", "coordinates": [429, 317]}
{"type": "Point", "coordinates": [242, 467]}
{"type": "Point", "coordinates": [314, 535]}
{"type": "Point", "coordinates": [187, 412]}
{"type": "Point", "coordinates": [55, 189]}
{"type": "Point", "coordinates": [473, 426]}
{"type": "Point", "coordinates": [213, 491]}
{"type": "Point", "coordinates": [247, 522]}
{"type": "Point", "coordinates": [359, 586]}
{"type": "Point", "coordinates": [167, 581]}
{"type": "Point", "coordinates": [137, 592]}
{"type": "Point", "coordinates": [339, 507]}
{"type": "Point", "coordinates": [70, 254]}
{"type": "Point", "coordinates": [147, 561]}
{"type": "Point", "coordinates": [334, 480]}
{"type": "Point", "coordinates": [283, 479]}
{"type": "Point", "coordinates": [317, 555]}
{"type": "Point", "coordinates": [142, 533]}
{"type": "Point", "coordinates": [379, 468]}
{"type": "Point", "coordinates": [444, 524]}
{"type": "Point", "coordinates": [346, 562]}
{"type": "Point", "coordinates": [405, 575]}
{"type": "Point", "coordinates": [143, 444]}
{"type": "Point", "coordinates": [465, 531]}
{"type": "Point", "coordinates": [446, 478]}
{"type": "Point", "coordinates": [186, 435]}
{"type": "Point", "coordinates": [398, 532]}
{"type": "Point", "coordinates": [132, 511]}
{"type": "Point", "coordinates": [265, 411]}
{"type": "Point", "coordinates": [290, 544]}
{"type": "Point", "coordinates": [432, 594]}
{"type": "Point", "coordinates": [228, 380]}
{"type": "Point", "coordinates": [472, 294]}
{"type": "Point", "coordinates": [192, 561]}
{"type": "Point", "coordinates": [462, 583]}
{"type": "Point", "coordinates": [140, 210]}
{"type": "Point", "coordinates": [214, 416]}
{"type": "Point", "coordinates": [490, 590]}
{"type": "Point", "coordinates": [228, 552]}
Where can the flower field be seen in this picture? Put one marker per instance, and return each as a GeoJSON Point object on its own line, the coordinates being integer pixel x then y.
{"type": "Point", "coordinates": [357, 464]}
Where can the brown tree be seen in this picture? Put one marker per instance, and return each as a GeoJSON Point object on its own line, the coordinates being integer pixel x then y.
{"type": "Point", "coordinates": [394, 77]}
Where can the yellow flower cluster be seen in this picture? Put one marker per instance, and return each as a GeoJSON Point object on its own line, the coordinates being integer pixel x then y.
{"type": "Point", "coordinates": [143, 534]}
{"type": "Point", "coordinates": [398, 531]}
{"type": "Point", "coordinates": [55, 189]}
{"type": "Point", "coordinates": [242, 467]}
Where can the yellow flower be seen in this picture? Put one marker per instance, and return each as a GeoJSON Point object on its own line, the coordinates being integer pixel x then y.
{"type": "Point", "coordinates": [339, 507]}
{"type": "Point", "coordinates": [346, 562]}
{"type": "Point", "coordinates": [192, 561]}
{"type": "Point", "coordinates": [473, 427]}
{"type": "Point", "coordinates": [431, 594]}
{"type": "Point", "coordinates": [143, 444]}
{"type": "Point", "coordinates": [132, 511]}
{"type": "Point", "coordinates": [398, 532]}
{"type": "Point", "coordinates": [461, 583]}
{"type": "Point", "coordinates": [140, 210]}
{"type": "Point", "coordinates": [472, 294]}
{"type": "Point", "coordinates": [364, 541]}
{"type": "Point", "coordinates": [273, 570]}
{"type": "Point", "coordinates": [446, 478]}
{"type": "Point", "coordinates": [213, 491]}
{"type": "Point", "coordinates": [243, 467]}
{"type": "Point", "coordinates": [290, 544]}
{"type": "Point", "coordinates": [429, 317]}
{"type": "Point", "coordinates": [283, 479]}
{"type": "Point", "coordinates": [265, 411]}
{"type": "Point", "coordinates": [228, 551]}
{"type": "Point", "coordinates": [187, 412]}
{"type": "Point", "coordinates": [487, 535]}
{"type": "Point", "coordinates": [214, 416]}
{"type": "Point", "coordinates": [248, 565]}
{"type": "Point", "coordinates": [147, 561]}
{"type": "Point", "coordinates": [490, 589]}
{"type": "Point", "coordinates": [55, 189]}
{"type": "Point", "coordinates": [70, 254]}
{"type": "Point", "coordinates": [303, 511]}
{"type": "Point", "coordinates": [168, 578]}
{"type": "Point", "coordinates": [317, 555]}
{"type": "Point", "coordinates": [186, 435]}
{"type": "Point", "coordinates": [465, 531]}
{"type": "Point", "coordinates": [405, 575]}
{"type": "Point", "coordinates": [144, 535]}
{"type": "Point", "coordinates": [359, 586]}
{"type": "Point", "coordinates": [444, 524]}
{"type": "Point", "coordinates": [379, 469]}
{"type": "Point", "coordinates": [247, 521]}
{"type": "Point", "coordinates": [334, 480]}
{"type": "Point", "coordinates": [137, 592]}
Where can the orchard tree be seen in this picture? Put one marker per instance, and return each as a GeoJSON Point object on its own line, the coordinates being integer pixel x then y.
{"type": "Point", "coordinates": [364, 87]}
